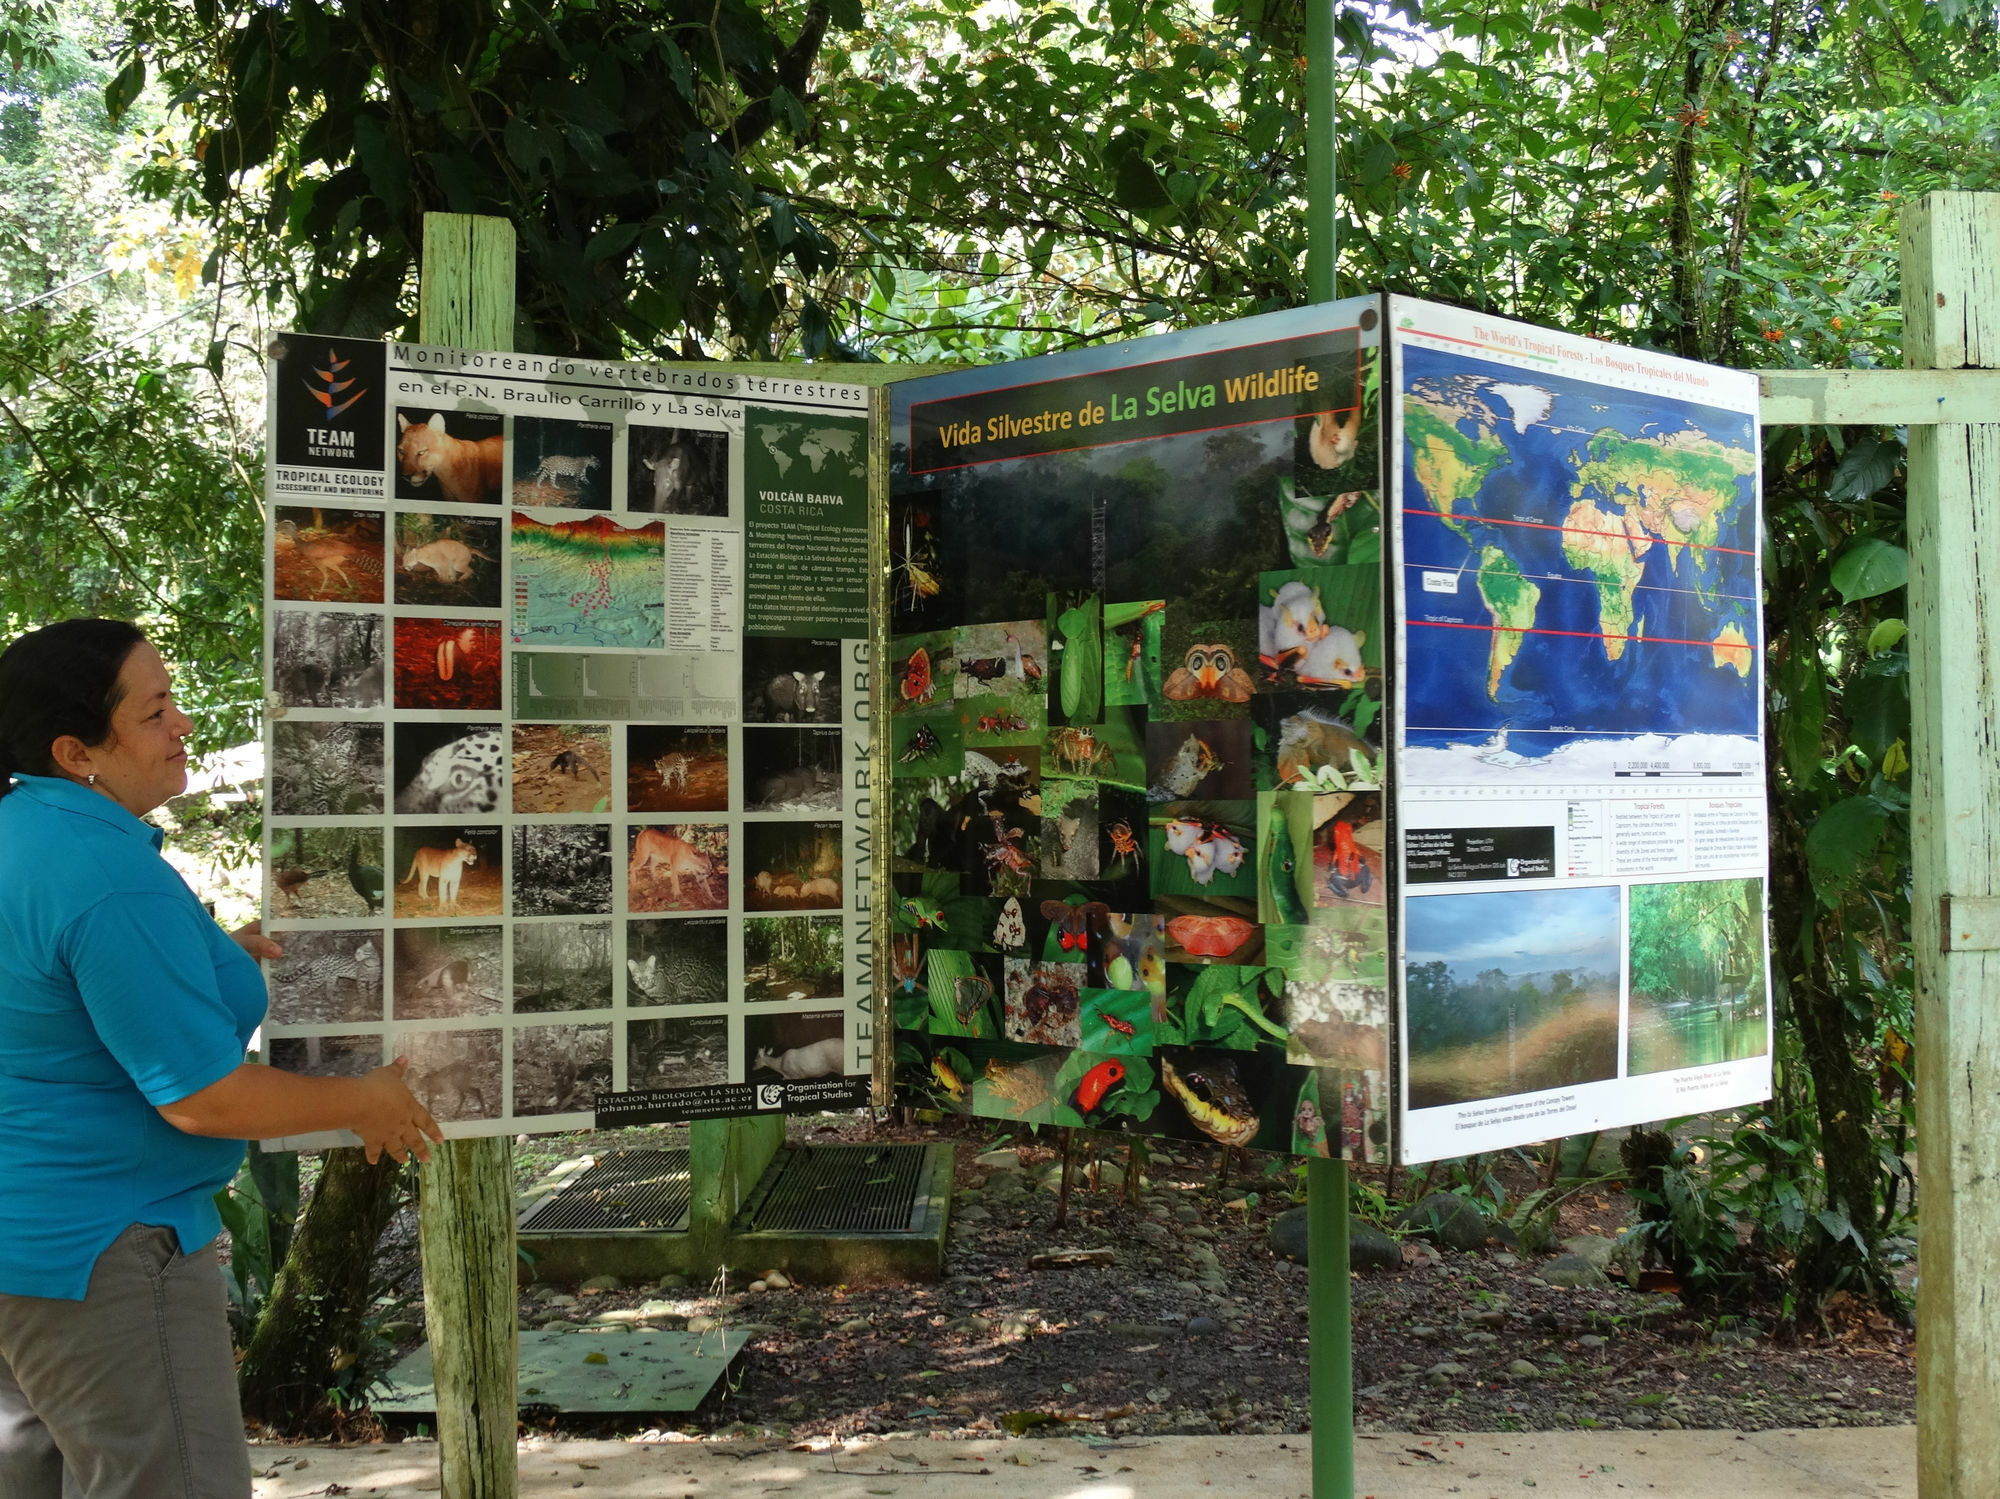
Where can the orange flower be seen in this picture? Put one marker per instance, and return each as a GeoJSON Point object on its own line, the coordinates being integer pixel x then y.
{"type": "Point", "coordinates": [1772, 335]}
{"type": "Point", "coordinates": [1838, 325]}
{"type": "Point", "coordinates": [1401, 169]}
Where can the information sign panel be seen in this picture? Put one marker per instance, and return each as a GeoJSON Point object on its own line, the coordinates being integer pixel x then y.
{"type": "Point", "coordinates": [567, 744]}
{"type": "Point", "coordinates": [1579, 756]}
{"type": "Point", "coordinates": [1137, 705]}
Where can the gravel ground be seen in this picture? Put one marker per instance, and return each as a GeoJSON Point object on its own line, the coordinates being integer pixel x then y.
{"type": "Point", "coordinates": [1197, 1327]}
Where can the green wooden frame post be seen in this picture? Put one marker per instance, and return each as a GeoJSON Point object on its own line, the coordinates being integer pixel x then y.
{"type": "Point", "coordinates": [1951, 322]}
{"type": "Point", "coordinates": [1330, 1325]}
{"type": "Point", "coordinates": [465, 1214]}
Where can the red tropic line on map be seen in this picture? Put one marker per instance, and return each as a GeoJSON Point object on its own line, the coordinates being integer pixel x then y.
{"type": "Point", "coordinates": [1716, 645]}
{"type": "Point", "coordinates": [1539, 525]}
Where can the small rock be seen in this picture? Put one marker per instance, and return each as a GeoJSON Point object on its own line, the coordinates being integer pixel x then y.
{"type": "Point", "coordinates": [1200, 1231]}
{"type": "Point", "coordinates": [757, 1287]}
{"type": "Point", "coordinates": [598, 1284]}
{"type": "Point", "coordinates": [1159, 1394]}
{"type": "Point", "coordinates": [1590, 1340]}
{"type": "Point", "coordinates": [973, 1213]}
{"type": "Point", "coordinates": [702, 1324]}
{"type": "Point", "coordinates": [999, 1160]}
{"type": "Point", "coordinates": [975, 1324]}
{"type": "Point", "coordinates": [1482, 1337]}
{"type": "Point", "coordinates": [1522, 1369]}
{"type": "Point", "coordinates": [1447, 1220]}
{"type": "Point", "coordinates": [1488, 1317]}
{"type": "Point", "coordinates": [561, 1300]}
{"type": "Point", "coordinates": [1669, 1423]}
{"type": "Point", "coordinates": [1423, 1332]}
{"type": "Point", "coordinates": [1202, 1326]}
{"type": "Point", "coordinates": [777, 1280]}
{"type": "Point", "coordinates": [1407, 1368]}
{"type": "Point", "coordinates": [1573, 1271]}
{"type": "Point", "coordinates": [1110, 1177]}
{"type": "Point", "coordinates": [672, 1282]}
{"type": "Point", "coordinates": [1503, 1258]}
{"type": "Point", "coordinates": [1368, 1248]}
{"type": "Point", "coordinates": [855, 1324]}
{"type": "Point", "coordinates": [1444, 1373]}
{"type": "Point", "coordinates": [1187, 1212]}
{"type": "Point", "coordinates": [1594, 1248]}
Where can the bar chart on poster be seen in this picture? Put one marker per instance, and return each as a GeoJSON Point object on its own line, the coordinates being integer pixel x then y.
{"type": "Point", "coordinates": [567, 681]}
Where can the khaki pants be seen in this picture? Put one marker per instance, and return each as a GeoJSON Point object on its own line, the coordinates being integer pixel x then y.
{"type": "Point", "coordinates": [129, 1393]}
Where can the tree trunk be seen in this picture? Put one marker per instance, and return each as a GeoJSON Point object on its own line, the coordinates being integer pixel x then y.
{"type": "Point", "coordinates": [312, 1324]}
{"type": "Point", "coordinates": [1843, 1092]}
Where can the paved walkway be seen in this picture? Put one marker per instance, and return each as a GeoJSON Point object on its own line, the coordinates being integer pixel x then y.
{"type": "Point", "coordinates": [1879, 1462]}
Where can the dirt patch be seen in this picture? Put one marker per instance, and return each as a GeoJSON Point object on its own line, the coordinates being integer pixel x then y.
{"type": "Point", "coordinates": [1164, 1341]}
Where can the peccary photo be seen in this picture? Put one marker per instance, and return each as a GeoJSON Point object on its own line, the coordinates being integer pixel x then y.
{"type": "Point", "coordinates": [791, 681]}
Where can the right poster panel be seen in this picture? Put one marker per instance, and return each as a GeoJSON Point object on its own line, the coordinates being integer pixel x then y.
{"type": "Point", "coordinates": [1579, 731]}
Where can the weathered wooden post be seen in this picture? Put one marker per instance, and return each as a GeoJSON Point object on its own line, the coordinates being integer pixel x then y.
{"type": "Point", "coordinates": [1951, 321]}
{"type": "Point", "coordinates": [466, 1199]}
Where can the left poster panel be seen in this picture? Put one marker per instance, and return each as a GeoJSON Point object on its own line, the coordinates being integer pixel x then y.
{"type": "Point", "coordinates": [565, 704]}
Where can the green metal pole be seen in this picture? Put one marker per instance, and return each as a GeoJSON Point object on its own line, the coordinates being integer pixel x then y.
{"type": "Point", "coordinates": [1330, 1326]}
{"type": "Point", "coordinates": [1320, 247]}
{"type": "Point", "coordinates": [1331, 1330]}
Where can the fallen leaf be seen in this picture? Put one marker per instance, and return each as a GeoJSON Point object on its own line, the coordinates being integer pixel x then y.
{"type": "Point", "coordinates": [595, 1358]}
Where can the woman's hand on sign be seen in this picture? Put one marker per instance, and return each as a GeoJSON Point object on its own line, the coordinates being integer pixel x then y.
{"type": "Point", "coordinates": [394, 1119]}
{"type": "Point", "coordinates": [252, 940]}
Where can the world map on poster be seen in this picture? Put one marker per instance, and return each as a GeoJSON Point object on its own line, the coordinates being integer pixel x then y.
{"type": "Point", "coordinates": [589, 582]}
{"type": "Point", "coordinates": [809, 454]}
{"type": "Point", "coordinates": [1580, 568]}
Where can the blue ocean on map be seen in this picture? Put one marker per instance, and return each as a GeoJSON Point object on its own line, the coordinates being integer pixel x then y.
{"type": "Point", "coordinates": [1581, 670]}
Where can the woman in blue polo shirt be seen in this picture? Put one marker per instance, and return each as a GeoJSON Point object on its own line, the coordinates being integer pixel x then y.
{"type": "Point", "coordinates": [124, 1098]}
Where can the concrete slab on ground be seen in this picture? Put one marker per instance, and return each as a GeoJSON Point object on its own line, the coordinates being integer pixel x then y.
{"type": "Point", "coordinates": [596, 1370]}
{"type": "Point", "coordinates": [1840, 1463]}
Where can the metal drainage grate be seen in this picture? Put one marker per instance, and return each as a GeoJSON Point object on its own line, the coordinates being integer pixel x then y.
{"type": "Point", "coordinates": [841, 1189]}
{"type": "Point", "coordinates": [628, 1191]}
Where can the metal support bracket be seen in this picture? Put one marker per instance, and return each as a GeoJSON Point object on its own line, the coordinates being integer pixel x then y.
{"type": "Point", "coordinates": [1969, 923]}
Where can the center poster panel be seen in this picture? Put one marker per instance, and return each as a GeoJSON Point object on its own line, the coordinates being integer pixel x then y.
{"type": "Point", "coordinates": [1137, 706]}
{"type": "Point", "coordinates": [568, 747]}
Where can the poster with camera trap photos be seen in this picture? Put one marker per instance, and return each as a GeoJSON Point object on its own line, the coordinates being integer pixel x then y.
{"type": "Point", "coordinates": [560, 752]}
{"type": "Point", "coordinates": [1135, 696]}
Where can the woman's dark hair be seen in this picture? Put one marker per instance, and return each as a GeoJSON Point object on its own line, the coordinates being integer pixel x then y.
{"type": "Point", "coordinates": [61, 679]}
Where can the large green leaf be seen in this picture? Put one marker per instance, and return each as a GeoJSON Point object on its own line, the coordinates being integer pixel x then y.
{"type": "Point", "coordinates": [1843, 844]}
{"type": "Point", "coordinates": [1878, 710]}
{"type": "Point", "coordinates": [1869, 568]}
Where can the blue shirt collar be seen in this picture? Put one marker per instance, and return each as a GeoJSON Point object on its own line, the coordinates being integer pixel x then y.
{"type": "Point", "coordinates": [69, 796]}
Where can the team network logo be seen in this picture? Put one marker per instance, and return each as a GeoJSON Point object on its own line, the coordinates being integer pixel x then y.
{"type": "Point", "coordinates": [328, 388]}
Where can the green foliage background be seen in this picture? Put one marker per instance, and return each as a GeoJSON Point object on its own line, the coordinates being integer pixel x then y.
{"type": "Point", "coordinates": [940, 179]}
